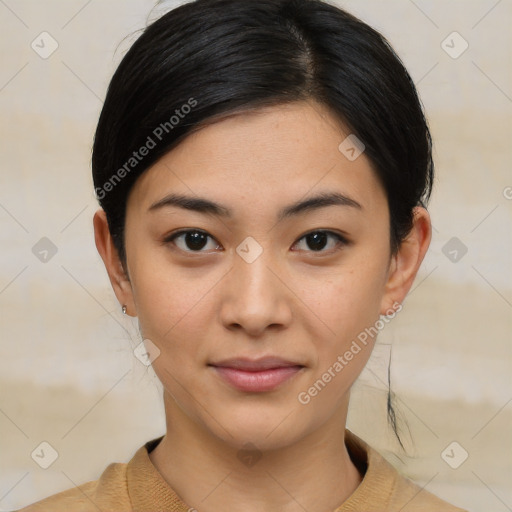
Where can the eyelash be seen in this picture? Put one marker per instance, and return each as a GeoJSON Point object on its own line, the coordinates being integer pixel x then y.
{"type": "Point", "coordinates": [342, 241]}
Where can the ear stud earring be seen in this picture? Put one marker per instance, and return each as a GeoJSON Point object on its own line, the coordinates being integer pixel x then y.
{"type": "Point", "coordinates": [124, 310]}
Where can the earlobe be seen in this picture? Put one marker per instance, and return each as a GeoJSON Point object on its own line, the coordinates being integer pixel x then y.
{"type": "Point", "coordinates": [108, 252]}
{"type": "Point", "coordinates": [406, 262]}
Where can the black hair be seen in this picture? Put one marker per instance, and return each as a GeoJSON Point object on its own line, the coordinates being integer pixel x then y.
{"type": "Point", "coordinates": [209, 59]}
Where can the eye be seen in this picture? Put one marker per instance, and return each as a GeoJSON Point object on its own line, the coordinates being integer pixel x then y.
{"type": "Point", "coordinates": [318, 240]}
{"type": "Point", "coordinates": [194, 240]}
{"type": "Point", "coordinates": [191, 240]}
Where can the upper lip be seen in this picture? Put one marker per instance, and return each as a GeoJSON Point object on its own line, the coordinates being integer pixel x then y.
{"type": "Point", "coordinates": [264, 363]}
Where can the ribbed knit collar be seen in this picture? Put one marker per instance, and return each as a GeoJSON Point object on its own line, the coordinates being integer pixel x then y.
{"type": "Point", "coordinates": [149, 491]}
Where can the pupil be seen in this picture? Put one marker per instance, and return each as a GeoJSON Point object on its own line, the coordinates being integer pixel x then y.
{"type": "Point", "coordinates": [195, 240]}
{"type": "Point", "coordinates": [318, 241]}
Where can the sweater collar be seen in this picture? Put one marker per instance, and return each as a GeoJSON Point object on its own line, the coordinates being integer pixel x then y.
{"type": "Point", "coordinates": [148, 491]}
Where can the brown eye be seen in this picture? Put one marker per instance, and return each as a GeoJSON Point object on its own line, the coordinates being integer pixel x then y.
{"type": "Point", "coordinates": [316, 241]}
{"type": "Point", "coordinates": [191, 240]}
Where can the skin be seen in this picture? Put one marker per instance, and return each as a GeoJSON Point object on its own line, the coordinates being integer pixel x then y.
{"type": "Point", "coordinates": [293, 301]}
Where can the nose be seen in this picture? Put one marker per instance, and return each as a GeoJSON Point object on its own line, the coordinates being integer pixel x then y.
{"type": "Point", "coordinates": [256, 297]}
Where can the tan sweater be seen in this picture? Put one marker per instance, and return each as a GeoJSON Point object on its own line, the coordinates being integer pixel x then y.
{"type": "Point", "coordinates": [137, 486]}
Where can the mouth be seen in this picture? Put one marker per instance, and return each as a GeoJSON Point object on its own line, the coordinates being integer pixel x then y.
{"type": "Point", "coordinates": [256, 375]}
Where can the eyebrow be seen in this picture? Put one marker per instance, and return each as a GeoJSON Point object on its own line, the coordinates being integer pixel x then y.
{"type": "Point", "coordinates": [208, 207]}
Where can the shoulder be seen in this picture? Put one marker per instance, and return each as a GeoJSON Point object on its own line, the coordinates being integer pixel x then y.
{"type": "Point", "coordinates": [385, 488]}
{"type": "Point", "coordinates": [108, 493]}
{"type": "Point", "coordinates": [408, 496]}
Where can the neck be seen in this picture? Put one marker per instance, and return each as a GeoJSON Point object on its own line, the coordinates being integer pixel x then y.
{"type": "Point", "coordinates": [314, 474]}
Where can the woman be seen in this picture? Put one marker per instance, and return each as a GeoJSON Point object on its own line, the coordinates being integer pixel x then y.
{"type": "Point", "coordinates": [263, 169]}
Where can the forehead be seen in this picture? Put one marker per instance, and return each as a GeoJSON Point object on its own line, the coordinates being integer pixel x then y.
{"type": "Point", "coordinates": [279, 153]}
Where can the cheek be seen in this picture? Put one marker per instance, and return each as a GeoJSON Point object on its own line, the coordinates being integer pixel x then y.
{"type": "Point", "coordinates": [172, 318]}
{"type": "Point", "coordinates": [177, 312]}
{"type": "Point", "coordinates": [169, 311]}
{"type": "Point", "coordinates": [167, 300]}
{"type": "Point", "coordinates": [349, 304]}
{"type": "Point", "coordinates": [350, 300]}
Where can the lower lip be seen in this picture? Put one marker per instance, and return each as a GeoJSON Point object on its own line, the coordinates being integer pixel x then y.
{"type": "Point", "coordinates": [264, 380]}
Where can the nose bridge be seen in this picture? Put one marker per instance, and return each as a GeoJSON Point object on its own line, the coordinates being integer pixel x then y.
{"type": "Point", "coordinates": [252, 276]}
{"type": "Point", "coordinates": [255, 297]}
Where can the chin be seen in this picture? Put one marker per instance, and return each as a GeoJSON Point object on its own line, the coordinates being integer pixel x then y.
{"type": "Point", "coordinates": [267, 428]}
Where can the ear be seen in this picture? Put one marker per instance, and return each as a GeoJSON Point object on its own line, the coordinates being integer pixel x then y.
{"type": "Point", "coordinates": [406, 262]}
{"type": "Point", "coordinates": [116, 273]}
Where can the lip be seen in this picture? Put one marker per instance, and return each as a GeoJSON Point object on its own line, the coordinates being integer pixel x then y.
{"type": "Point", "coordinates": [256, 375]}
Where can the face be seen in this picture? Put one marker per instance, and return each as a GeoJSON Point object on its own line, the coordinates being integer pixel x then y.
{"type": "Point", "coordinates": [255, 288]}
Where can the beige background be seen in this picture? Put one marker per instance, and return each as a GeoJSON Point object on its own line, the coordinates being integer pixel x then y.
{"type": "Point", "coordinates": [68, 375]}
